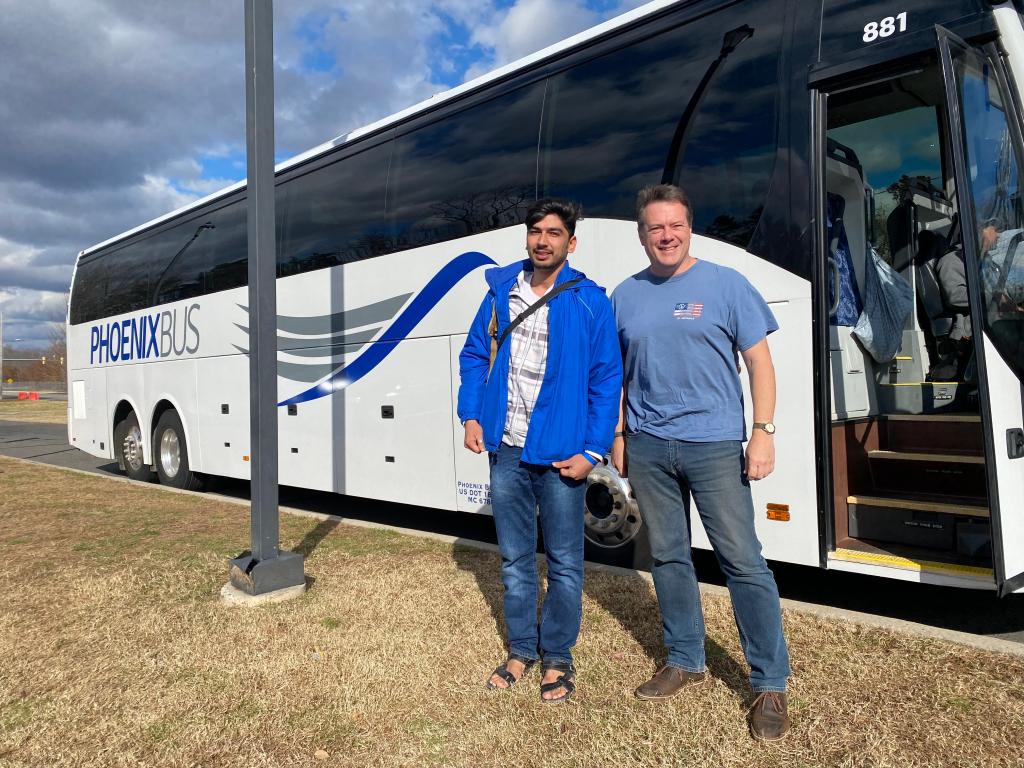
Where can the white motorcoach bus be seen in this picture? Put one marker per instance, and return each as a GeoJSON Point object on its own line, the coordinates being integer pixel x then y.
{"type": "Point", "coordinates": [807, 132]}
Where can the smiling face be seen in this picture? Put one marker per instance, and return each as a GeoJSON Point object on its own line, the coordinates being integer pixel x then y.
{"type": "Point", "coordinates": [665, 235]}
{"type": "Point", "coordinates": [549, 243]}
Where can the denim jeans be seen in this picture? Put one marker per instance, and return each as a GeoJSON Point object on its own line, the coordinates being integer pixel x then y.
{"type": "Point", "coordinates": [663, 474]}
{"type": "Point", "coordinates": [517, 491]}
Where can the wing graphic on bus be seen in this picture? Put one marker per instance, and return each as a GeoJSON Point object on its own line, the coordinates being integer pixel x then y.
{"type": "Point", "coordinates": [353, 331]}
{"type": "Point", "coordinates": [336, 336]}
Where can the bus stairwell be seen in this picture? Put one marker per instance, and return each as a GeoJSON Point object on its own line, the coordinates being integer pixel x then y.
{"type": "Point", "coordinates": [910, 490]}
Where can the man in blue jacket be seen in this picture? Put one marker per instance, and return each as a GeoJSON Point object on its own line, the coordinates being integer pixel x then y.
{"type": "Point", "coordinates": [544, 410]}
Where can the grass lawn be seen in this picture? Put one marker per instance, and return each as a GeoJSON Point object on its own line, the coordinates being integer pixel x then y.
{"type": "Point", "coordinates": [46, 411]}
{"type": "Point", "coordinates": [115, 650]}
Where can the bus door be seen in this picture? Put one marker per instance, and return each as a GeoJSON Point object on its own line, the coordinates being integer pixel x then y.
{"type": "Point", "coordinates": [986, 152]}
{"type": "Point", "coordinates": [909, 486]}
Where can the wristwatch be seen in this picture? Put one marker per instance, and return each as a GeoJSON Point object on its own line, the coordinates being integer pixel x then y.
{"type": "Point", "coordinates": [767, 426]}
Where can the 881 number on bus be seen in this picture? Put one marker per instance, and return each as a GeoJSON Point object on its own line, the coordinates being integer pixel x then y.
{"type": "Point", "coordinates": [873, 30]}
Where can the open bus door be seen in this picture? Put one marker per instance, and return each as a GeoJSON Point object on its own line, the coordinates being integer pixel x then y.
{"type": "Point", "coordinates": [985, 142]}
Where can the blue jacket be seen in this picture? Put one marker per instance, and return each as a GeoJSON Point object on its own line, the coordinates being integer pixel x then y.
{"type": "Point", "coordinates": [578, 403]}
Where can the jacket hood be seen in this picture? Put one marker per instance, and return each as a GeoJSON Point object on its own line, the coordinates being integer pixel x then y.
{"type": "Point", "coordinates": [499, 277]}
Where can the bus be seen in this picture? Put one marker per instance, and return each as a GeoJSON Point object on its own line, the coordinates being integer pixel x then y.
{"type": "Point", "coordinates": [846, 156]}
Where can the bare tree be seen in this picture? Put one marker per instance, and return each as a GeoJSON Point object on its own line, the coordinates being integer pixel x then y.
{"type": "Point", "coordinates": [486, 210]}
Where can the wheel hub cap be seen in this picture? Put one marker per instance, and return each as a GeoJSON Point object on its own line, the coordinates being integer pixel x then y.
{"type": "Point", "coordinates": [611, 517]}
{"type": "Point", "coordinates": [131, 449]}
{"type": "Point", "coordinates": [170, 453]}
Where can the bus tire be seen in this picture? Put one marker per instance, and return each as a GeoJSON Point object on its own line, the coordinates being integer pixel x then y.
{"type": "Point", "coordinates": [128, 444]}
{"type": "Point", "coordinates": [170, 454]}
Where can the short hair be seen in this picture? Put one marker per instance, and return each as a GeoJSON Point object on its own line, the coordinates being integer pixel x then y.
{"type": "Point", "coordinates": [569, 212]}
{"type": "Point", "coordinates": [662, 193]}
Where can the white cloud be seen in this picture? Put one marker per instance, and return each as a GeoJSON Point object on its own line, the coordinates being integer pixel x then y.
{"type": "Point", "coordinates": [14, 254]}
{"type": "Point", "coordinates": [111, 107]}
{"type": "Point", "coordinates": [530, 25]}
{"type": "Point", "coordinates": [32, 318]}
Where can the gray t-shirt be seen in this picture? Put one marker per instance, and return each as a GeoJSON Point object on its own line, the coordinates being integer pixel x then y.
{"type": "Point", "coordinates": [680, 339]}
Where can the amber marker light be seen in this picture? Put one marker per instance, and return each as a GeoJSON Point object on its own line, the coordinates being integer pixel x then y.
{"type": "Point", "coordinates": [778, 512]}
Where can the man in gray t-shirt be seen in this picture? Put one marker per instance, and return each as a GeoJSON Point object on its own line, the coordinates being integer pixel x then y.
{"type": "Point", "coordinates": [682, 325]}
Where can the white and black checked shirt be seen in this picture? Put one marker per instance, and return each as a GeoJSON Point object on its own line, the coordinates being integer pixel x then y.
{"type": "Point", "coordinates": [529, 357]}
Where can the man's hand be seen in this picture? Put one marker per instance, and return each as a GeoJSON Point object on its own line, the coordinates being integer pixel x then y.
{"type": "Point", "coordinates": [474, 436]}
{"type": "Point", "coordinates": [577, 468]}
{"type": "Point", "coordinates": [760, 455]}
{"type": "Point", "coordinates": [619, 455]}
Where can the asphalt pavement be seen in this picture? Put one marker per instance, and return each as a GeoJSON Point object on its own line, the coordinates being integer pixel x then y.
{"type": "Point", "coordinates": [972, 611]}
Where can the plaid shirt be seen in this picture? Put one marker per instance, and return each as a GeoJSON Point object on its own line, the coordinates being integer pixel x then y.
{"type": "Point", "coordinates": [529, 356]}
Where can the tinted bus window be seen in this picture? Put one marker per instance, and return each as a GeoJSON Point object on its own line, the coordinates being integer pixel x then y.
{"type": "Point", "coordinates": [128, 281]}
{"type": "Point", "coordinates": [994, 161]}
{"type": "Point", "coordinates": [177, 274]}
{"type": "Point", "coordinates": [470, 172]}
{"type": "Point", "coordinates": [113, 282]}
{"type": "Point", "coordinates": [207, 253]}
{"type": "Point", "coordinates": [333, 214]}
{"type": "Point", "coordinates": [225, 249]}
{"type": "Point", "coordinates": [609, 123]}
{"type": "Point", "coordinates": [90, 290]}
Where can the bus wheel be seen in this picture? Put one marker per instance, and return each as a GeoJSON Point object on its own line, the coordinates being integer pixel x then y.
{"type": "Point", "coordinates": [612, 525]}
{"type": "Point", "coordinates": [172, 454]}
{"type": "Point", "coordinates": [128, 443]}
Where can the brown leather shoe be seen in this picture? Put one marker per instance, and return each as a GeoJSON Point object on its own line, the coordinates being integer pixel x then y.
{"type": "Point", "coordinates": [769, 720]}
{"type": "Point", "coordinates": [668, 682]}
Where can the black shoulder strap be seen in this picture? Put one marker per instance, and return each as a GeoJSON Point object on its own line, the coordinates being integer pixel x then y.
{"type": "Point", "coordinates": [537, 305]}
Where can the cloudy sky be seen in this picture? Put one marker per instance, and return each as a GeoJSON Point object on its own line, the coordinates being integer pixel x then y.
{"type": "Point", "coordinates": [113, 112]}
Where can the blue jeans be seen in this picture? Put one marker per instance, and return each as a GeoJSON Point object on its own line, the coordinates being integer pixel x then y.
{"type": "Point", "coordinates": [663, 474]}
{"type": "Point", "coordinates": [517, 491]}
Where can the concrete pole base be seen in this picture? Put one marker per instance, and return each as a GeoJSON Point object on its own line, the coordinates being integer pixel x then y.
{"type": "Point", "coordinates": [252, 581]}
{"type": "Point", "coordinates": [231, 595]}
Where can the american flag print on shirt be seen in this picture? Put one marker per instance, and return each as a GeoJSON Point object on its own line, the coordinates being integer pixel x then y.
{"type": "Point", "coordinates": [688, 310]}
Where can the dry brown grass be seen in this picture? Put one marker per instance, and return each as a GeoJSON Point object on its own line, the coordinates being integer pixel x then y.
{"type": "Point", "coordinates": [44, 411]}
{"type": "Point", "coordinates": [116, 651]}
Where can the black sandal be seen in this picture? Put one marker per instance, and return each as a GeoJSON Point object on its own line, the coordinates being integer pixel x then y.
{"type": "Point", "coordinates": [566, 680]}
{"type": "Point", "coordinates": [502, 671]}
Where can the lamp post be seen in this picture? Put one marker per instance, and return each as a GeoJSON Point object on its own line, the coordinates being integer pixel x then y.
{"type": "Point", "coordinates": [2, 355]}
{"type": "Point", "coordinates": [265, 570]}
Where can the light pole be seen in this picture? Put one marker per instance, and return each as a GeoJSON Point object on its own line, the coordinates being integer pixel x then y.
{"type": "Point", "coordinates": [265, 569]}
{"type": "Point", "coordinates": [2, 355]}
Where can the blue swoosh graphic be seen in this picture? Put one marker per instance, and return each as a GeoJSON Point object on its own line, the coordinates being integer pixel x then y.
{"type": "Point", "coordinates": [428, 298]}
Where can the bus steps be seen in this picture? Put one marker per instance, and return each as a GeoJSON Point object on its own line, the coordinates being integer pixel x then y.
{"type": "Point", "coordinates": [911, 562]}
{"type": "Point", "coordinates": [926, 490]}
{"type": "Point", "coordinates": [922, 397]}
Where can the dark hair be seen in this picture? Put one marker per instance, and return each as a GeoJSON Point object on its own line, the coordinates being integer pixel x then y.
{"type": "Point", "coordinates": [662, 193]}
{"type": "Point", "coordinates": [567, 211]}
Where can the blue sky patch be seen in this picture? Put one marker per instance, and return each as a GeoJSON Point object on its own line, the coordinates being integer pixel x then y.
{"type": "Point", "coordinates": [230, 166]}
{"type": "Point", "coordinates": [310, 30]}
{"type": "Point", "coordinates": [455, 53]}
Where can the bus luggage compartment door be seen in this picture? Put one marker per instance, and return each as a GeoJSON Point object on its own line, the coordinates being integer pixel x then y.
{"type": "Point", "coordinates": [397, 427]}
{"type": "Point", "coordinates": [88, 427]}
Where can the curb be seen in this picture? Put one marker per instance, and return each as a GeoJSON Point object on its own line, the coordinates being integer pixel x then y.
{"type": "Point", "coordinates": [981, 642]}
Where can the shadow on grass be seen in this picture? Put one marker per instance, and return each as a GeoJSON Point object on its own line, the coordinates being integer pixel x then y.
{"type": "Point", "coordinates": [486, 569]}
{"type": "Point", "coordinates": [628, 599]}
{"type": "Point", "coordinates": [632, 603]}
{"type": "Point", "coordinates": [312, 539]}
